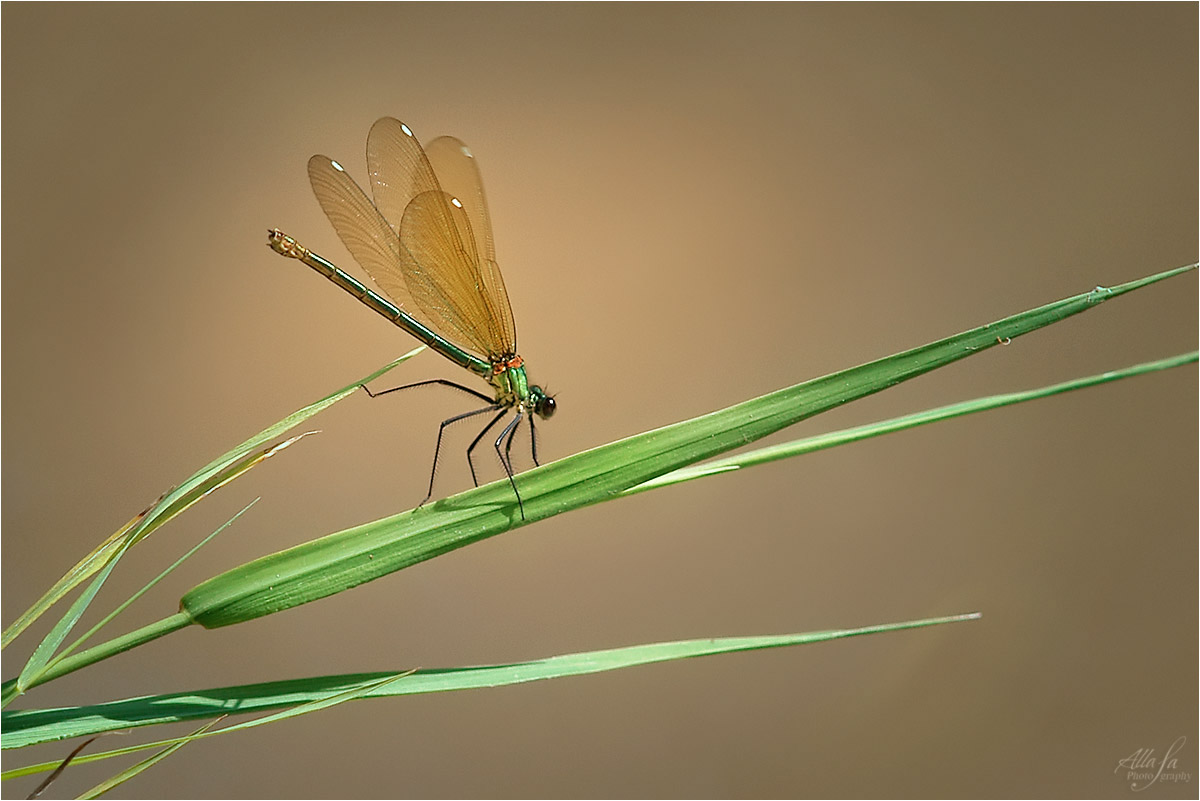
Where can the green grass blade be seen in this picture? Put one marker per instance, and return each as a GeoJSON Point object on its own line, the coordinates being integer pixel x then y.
{"type": "Point", "coordinates": [206, 480]}
{"type": "Point", "coordinates": [133, 770]}
{"type": "Point", "coordinates": [145, 522]}
{"type": "Point", "coordinates": [348, 558]}
{"type": "Point", "coordinates": [45, 650]}
{"type": "Point", "coordinates": [376, 686]}
{"type": "Point", "coordinates": [80, 572]}
{"type": "Point", "coordinates": [29, 727]}
{"type": "Point", "coordinates": [117, 645]}
{"type": "Point", "coordinates": [151, 584]}
{"type": "Point", "coordinates": [323, 702]}
{"type": "Point", "coordinates": [291, 421]}
{"type": "Point", "coordinates": [844, 437]}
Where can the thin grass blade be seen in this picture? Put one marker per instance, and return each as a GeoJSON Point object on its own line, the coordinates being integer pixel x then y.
{"type": "Point", "coordinates": [203, 482]}
{"type": "Point", "coordinates": [32, 726]}
{"type": "Point", "coordinates": [85, 568]}
{"type": "Point", "coordinates": [127, 774]}
{"type": "Point", "coordinates": [42, 657]}
{"type": "Point", "coordinates": [846, 436]}
{"type": "Point", "coordinates": [45, 650]}
{"type": "Point", "coordinates": [317, 704]}
{"type": "Point", "coordinates": [150, 585]}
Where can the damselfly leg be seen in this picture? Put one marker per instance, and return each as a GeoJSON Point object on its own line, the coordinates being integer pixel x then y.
{"type": "Point", "coordinates": [506, 458]}
{"type": "Point", "coordinates": [506, 435]}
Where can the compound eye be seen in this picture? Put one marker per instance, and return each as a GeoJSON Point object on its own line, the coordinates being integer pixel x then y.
{"type": "Point", "coordinates": [546, 407]}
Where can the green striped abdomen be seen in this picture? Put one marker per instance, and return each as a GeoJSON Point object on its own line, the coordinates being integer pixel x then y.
{"type": "Point", "coordinates": [284, 245]}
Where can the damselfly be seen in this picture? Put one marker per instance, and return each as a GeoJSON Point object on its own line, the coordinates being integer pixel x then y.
{"type": "Point", "coordinates": [426, 241]}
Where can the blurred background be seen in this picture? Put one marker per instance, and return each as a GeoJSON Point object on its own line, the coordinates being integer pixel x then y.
{"type": "Point", "coordinates": [693, 205]}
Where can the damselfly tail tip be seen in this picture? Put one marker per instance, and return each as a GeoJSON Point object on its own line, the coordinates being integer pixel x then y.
{"type": "Point", "coordinates": [283, 244]}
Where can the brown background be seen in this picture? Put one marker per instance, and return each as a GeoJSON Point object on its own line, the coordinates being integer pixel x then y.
{"type": "Point", "coordinates": [694, 205]}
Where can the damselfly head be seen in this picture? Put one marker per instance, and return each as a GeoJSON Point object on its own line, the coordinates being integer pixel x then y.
{"type": "Point", "coordinates": [543, 404]}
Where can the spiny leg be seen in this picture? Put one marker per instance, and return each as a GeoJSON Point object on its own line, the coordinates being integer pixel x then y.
{"type": "Point", "coordinates": [475, 442]}
{"type": "Point", "coordinates": [533, 442]}
{"type": "Point", "coordinates": [441, 381]}
{"type": "Point", "coordinates": [508, 432]}
{"type": "Point", "coordinates": [441, 429]}
{"type": "Point", "coordinates": [437, 450]}
{"type": "Point", "coordinates": [508, 444]}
